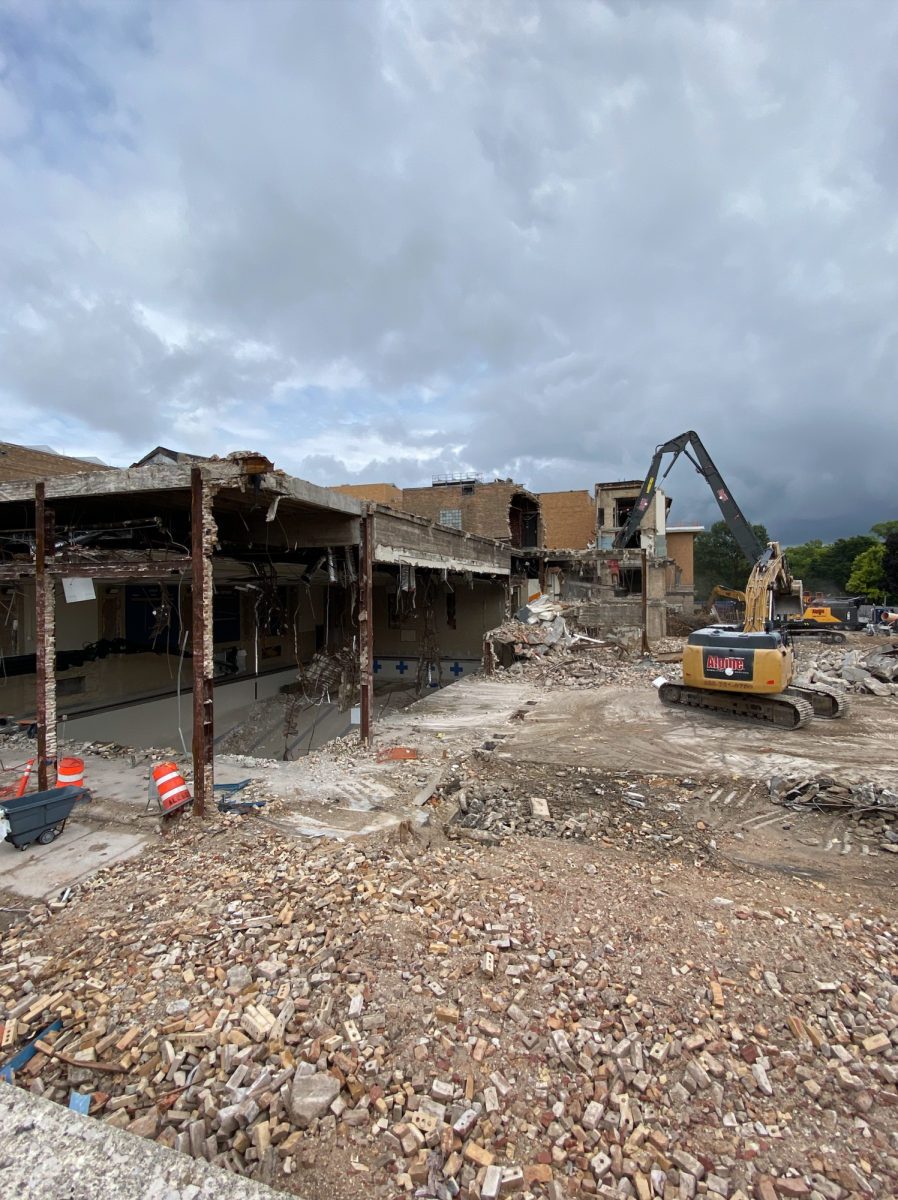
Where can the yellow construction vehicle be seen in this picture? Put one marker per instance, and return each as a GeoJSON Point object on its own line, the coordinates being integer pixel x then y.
{"type": "Point", "coordinates": [827, 619]}
{"type": "Point", "coordinates": [718, 593]}
{"type": "Point", "coordinates": [747, 673]}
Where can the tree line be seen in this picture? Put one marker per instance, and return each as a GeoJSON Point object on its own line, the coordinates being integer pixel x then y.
{"type": "Point", "coordinates": [863, 565]}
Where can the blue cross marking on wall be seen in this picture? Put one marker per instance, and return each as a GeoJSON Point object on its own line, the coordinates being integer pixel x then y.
{"type": "Point", "coordinates": [376, 666]}
{"type": "Point", "coordinates": [456, 669]}
{"type": "Point", "coordinates": [402, 667]}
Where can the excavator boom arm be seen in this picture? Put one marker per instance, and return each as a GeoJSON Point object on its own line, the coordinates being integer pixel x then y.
{"type": "Point", "coordinates": [732, 514]}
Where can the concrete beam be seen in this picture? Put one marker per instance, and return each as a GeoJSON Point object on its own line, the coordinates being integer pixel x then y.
{"type": "Point", "coordinates": [403, 538]}
{"type": "Point", "coordinates": [176, 477]}
{"type": "Point", "coordinates": [138, 569]}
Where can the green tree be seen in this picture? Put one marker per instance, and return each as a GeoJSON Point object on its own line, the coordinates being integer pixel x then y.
{"type": "Point", "coordinates": [890, 565]}
{"type": "Point", "coordinates": [837, 561]}
{"type": "Point", "coordinates": [826, 568]}
{"type": "Point", "coordinates": [804, 560]}
{"type": "Point", "coordinates": [867, 577]}
{"type": "Point", "coordinates": [719, 559]}
{"type": "Point", "coordinates": [884, 528]}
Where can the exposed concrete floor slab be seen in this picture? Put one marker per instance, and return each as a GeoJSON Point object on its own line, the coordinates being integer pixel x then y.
{"type": "Point", "coordinates": [472, 706]}
{"type": "Point", "coordinates": [338, 795]}
{"type": "Point", "coordinates": [617, 729]}
{"type": "Point", "coordinates": [40, 872]}
{"type": "Point", "coordinates": [48, 1152]}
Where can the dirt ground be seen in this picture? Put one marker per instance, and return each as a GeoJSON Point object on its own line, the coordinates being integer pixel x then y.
{"type": "Point", "coordinates": [615, 731]}
{"type": "Point", "coordinates": [604, 956]}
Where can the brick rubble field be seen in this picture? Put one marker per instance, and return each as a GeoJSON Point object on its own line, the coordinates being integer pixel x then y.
{"type": "Point", "coordinates": [558, 986]}
{"type": "Point", "coordinates": [434, 1017]}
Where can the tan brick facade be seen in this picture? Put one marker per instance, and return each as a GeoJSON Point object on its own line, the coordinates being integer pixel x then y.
{"type": "Point", "coordinates": [680, 547]}
{"type": "Point", "coordinates": [18, 462]}
{"type": "Point", "coordinates": [489, 509]}
{"type": "Point", "coordinates": [569, 519]}
{"type": "Point", "coordinates": [379, 493]}
{"type": "Point", "coordinates": [502, 510]}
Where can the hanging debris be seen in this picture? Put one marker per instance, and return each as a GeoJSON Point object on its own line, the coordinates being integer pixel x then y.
{"type": "Point", "coordinates": [430, 668]}
{"type": "Point", "coordinates": [330, 674]}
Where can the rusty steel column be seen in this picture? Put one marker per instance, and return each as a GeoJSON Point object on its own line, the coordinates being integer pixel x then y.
{"type": "Point", "coordinates": [366, 625]}
{"type": "Point", "coordinates": [203, 536]}
{"type": "Point", "coordinates": [645, 605]}
{"type": "Point", "coordinates": [45, 639]}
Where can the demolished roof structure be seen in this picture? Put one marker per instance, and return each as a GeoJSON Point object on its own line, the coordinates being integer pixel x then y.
{"type": "Point", "coordinates": [192, 529]}
{"type": "Point", "coordinates": [29, 462]}
{"type": "Point", "coordinates": [501, 509]}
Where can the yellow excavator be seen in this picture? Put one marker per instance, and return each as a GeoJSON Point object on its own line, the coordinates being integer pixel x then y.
{"type": "Point", "coordinates": [747, 673]}
{"type": "Point", "coordinates": [719, 592]}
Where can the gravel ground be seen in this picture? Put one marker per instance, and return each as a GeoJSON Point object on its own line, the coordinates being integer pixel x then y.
{"type": "Point", "coordinates": [562, 982]}
{"type": "Point", "coordinates": [408, 1016]}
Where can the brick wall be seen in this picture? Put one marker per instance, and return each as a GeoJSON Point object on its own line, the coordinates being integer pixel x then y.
{"type": "Point", "coordinates": [569, 519]}
{"type": "Point", "coordinates": [485, 513]}
{"type": "Point", "coordinates": [379, 493]}
{"type": "Point", "coordinates": [18, 462]}
{"type": "Point", "coordinates": [680, 547]}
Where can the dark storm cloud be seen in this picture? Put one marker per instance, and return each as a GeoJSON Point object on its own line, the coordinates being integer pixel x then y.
{"type": "Point", "coordinates": [385, 239]}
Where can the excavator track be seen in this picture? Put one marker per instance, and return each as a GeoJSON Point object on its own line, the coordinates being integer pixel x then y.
{"type": "Point", "coordinates": [828, 703]}
{"type": "Point", "coordinates": [830, 636]}
{"type": "Point", "coordinates": [785, 711]}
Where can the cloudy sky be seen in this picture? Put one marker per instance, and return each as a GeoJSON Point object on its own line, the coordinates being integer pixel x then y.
{"type": "Point", "coordinates": [382, 239]}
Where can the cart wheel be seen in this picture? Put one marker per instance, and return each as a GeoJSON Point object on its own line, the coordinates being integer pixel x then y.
{"type": "Point", "coordinates": [47, 837]}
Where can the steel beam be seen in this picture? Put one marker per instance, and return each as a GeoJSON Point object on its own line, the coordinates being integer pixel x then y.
{"type": "Point", "coordinates": [203, 534]}
{"type": "Point", "coordinates": [141, 569]}
{"type": "Point", "coordinates": [45, 639]}
{"type": "Point", "coordinates": [366, 626]}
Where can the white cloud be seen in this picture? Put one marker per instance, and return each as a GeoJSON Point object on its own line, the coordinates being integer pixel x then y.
{"type": "Point", "coordinates": [415, 236]}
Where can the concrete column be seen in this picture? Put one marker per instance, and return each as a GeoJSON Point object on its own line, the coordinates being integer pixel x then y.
{"type": "Point", "coordinates": [45, 639]}
{"type": "Point", "coordinates": [203, 537]}
{"type": "Point", "coordinates": [366, 625]}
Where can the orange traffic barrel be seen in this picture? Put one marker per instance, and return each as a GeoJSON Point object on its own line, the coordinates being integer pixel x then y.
{"type": "Point", "coordinates": [173, 791]}
{"type": "Point", "coordinates": [70, 772]}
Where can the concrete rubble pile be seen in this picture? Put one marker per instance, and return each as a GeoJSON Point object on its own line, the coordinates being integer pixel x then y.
{"type": "Point", "coordinates": [586, 666]}
{"type": "Point", "coordinates": [549, 649]}
{"type": "Point", "coordinates": [339, 1020]}
{"type": "Point", "coordinates": [874, 670]}
{"type": "Point", "coordinates": [872, 809]}
{"type": "Point", "coordinates": [345, 749]}
{"type": "Point", "coordinates": [15, 737]}
{"type": "Point", "coordinates": [580, 804]}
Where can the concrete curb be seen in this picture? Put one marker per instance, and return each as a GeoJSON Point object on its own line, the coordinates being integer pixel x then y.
{"type": "Point", "coordinates": [48, 1152]}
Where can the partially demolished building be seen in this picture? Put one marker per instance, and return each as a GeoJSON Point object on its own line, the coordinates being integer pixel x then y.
{"type": "Point", "coordinates": [499, 509]}
{"type": "Point", "coordinates": [618, 587]}
{"type": "Point", "coordinates": [136, 603]}
{"type": "Point", "coordinates": [150, 604]}
{"type": "Point", "coordinates": [562, 544]}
